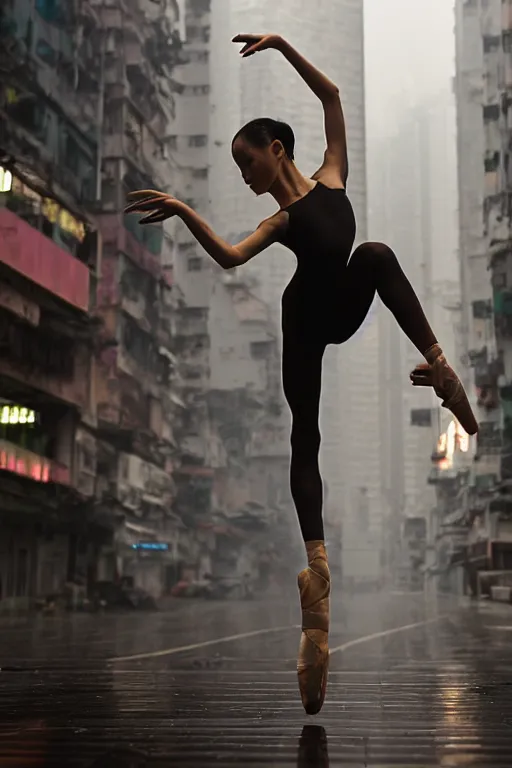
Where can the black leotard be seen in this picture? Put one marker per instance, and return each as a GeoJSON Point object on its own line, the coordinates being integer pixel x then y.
{"type": "Point", "coordinates": [326, 302]}
{"type": "Point", "coordinates": [321, 231]}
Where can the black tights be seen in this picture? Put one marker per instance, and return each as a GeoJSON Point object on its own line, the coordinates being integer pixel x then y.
{"type": "Point", "coordinates": [373, 268]}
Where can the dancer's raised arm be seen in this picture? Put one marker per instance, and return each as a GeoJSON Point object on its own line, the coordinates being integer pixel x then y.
{"type": "Point", "coordinates": [335, 163]}
{"type": "Point", "coordinates": [159, 206]}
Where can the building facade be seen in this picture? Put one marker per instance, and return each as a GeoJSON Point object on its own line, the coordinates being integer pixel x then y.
{"type": "Point", "coordinates": [143, 430]}
{"type": "Point", "coordinates": [50, 260]}
{"type": "Point", "coordinates": [483, 78]}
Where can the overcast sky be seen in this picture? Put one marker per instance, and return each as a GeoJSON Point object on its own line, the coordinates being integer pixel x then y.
{"type": "Point", "coordinates": [410, 53]}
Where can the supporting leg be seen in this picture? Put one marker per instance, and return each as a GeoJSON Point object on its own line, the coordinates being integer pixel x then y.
{"type": "Point", "coordinates": [302, 372]}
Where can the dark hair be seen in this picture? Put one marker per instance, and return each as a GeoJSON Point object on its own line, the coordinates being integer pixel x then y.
{"type": "Point", "coordinates": [262, 131]}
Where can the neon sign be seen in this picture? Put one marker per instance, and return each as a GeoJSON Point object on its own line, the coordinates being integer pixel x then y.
{"type": "Point", "coordinates": [154, 546]}
{"type": "Point", "coordinates": [14, 414]}
{"type": "Point", "coordinates": [57, 215]}
{"type": "Point", "coordinates": [26, 464]}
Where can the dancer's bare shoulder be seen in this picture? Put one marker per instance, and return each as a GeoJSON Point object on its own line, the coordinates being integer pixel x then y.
{"type": "Point", "coordinates": [277, 222]}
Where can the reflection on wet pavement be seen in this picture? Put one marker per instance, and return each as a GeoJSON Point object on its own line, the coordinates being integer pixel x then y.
{"type": "Point", "coordinates": [436, 692]}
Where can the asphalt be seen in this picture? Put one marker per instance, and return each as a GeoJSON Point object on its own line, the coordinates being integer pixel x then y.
{"type": "Point", "coordinates": [412, 683]}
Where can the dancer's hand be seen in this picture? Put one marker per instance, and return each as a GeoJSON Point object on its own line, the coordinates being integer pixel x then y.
{"type": "Point", "coordinates": [159, 205]}
{"type": "Point", "coordinates": [255, 43]}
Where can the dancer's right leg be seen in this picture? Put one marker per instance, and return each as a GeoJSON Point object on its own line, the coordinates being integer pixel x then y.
{"type": "Point", "coordinates": [302, 375]}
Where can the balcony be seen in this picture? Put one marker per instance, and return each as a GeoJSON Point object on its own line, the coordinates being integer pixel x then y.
{"type": "Point", "coordinates": [24, 463]}
{"type": "Point", "coordinates": [489, 439]}
{"type": "Point", "coordinates": [503, 312]}
{"type": "Point", "coordinates": [191, 322]}
{"type": "Point", "coordinates": [421, 417]}
{"type": "Point", "coordinates": [59, 367]}
{"type": "Point", "coordinates": [487, 372]}
{"type": "Point", "coordinates": [482, 309]}
{"type": "Point", "coordinates": [36, 257]}
{"type": "Point", "coordinates": [141, 245]}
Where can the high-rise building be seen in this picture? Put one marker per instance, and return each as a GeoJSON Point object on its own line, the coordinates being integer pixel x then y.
{"type": "Point", "coordinates": [266, 85]}
{"type": "Point", "coordinates": [50, 255]}
{"type": "Point", "coordinates": [413, 209]}
{"type": "Point", "coordinates": [234, 477]}
{"type": "Point", "coordinates": [483, 82]}
{"type": "Point", "coordinates": [139, 422]}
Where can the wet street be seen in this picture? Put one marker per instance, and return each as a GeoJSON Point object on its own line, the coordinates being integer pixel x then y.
{"type": "Point", "coordinates": [412, 683]}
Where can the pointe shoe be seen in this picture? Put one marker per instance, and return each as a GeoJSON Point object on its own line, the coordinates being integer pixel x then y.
{"type": "Point", "coordinates": [313, 660]}
{"type": "Point", "coordinates": [447, 385]}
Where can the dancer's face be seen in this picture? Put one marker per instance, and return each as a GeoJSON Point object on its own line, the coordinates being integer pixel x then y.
{"type": "Point", "coordinates": [259, 166]}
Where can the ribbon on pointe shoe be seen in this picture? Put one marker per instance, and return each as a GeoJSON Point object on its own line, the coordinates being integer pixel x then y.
{"type": "Point", "coordinates": [313, 660]}
{"type": "Point", "coordinates": [438, 374]}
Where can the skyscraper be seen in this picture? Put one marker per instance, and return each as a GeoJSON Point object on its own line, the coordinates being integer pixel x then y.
{"type": "Point", "coordinates": [331, 36]}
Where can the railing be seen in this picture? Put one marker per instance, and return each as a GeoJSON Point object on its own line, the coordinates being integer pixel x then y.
{"type": "Point", "coordinates": [18, 460]}
{"type": "Point", "coordinates": [35, 256]}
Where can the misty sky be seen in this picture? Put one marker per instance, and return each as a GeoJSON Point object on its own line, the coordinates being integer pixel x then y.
{"type": "Point", "coordinates": [410, 53]}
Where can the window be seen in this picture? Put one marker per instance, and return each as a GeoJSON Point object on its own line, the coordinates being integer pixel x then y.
{"type": "Point", "coordinates": [491, 43]}
{"type": "Point", "coordinates": [491, 112]}
{"type": "Point", "coordinates": [492, 162]}
{"type": "Point", "coordinates": [482, 309]}
{"type": "Point", "coordinates": [52, 10]}
{"type": "Point", "coordinates": [45, 52]}
{"type": "Point", "coordinates": [172, 142]}
{"type": "Point", "coordinates": [196, 90]}
{"type": "Point", "coordinates": [200, 173]}
{"type": "Point", "coordinates": [5, 180]}
{"type": "Point", "coordinates": [201, 57]}
{"type": "Point", "coordinates": [198, 141]}
{"type": "Point", "coordinates": [260, 350]}
{"type": "Point", "coordinates": [195, 264]}
{"type": "Point", "coordinates": [200, 6]}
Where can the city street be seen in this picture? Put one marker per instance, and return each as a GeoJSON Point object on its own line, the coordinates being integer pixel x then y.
{"type": "Point", "coordinates": [214, 683]}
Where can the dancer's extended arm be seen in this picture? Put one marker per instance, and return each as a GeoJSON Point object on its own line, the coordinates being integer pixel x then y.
{"type": "Point", "coordinates": [159, 206]}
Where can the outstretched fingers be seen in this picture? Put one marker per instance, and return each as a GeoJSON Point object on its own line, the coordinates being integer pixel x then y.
{"type": "Point", "coordinates": [246, 38]}
{"type": "Point", "coordinates": [140, 194]}
{"type": "Point", "coordinates": [251, 43]}
{"type": "Point", "coordinates": [144, 205]}
{"type": "Point", "coordinates": [154, 217]}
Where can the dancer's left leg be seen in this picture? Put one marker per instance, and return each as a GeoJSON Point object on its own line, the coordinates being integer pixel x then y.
{"type": "Point", "coordinates": [302, 374]}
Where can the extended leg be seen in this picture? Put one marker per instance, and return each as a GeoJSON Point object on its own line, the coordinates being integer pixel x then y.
{"type": "Point", "coordinates": [302, 373]}
{"type": "Point", "coordinates": [374, 267]}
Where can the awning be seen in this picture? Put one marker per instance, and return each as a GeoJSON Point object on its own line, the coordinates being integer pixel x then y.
{"type": "Point", "coordinates": [502, 504]}
{"type": "Point", "coordinates": [176, 400]}
{"type": "Point", "coordinates": [169, 355]}
{"type": "Point", "coordinates": [457, 516]}
{"type": "Point", "coordinates": [141, 529]}
{"type": "Point", "coordinates": [156, 501]}
{"type": "Point", "coordinates": [458, 556]}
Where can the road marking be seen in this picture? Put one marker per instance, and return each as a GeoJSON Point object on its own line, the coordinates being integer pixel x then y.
{"type": "Point", "coordinates": [386, 633]}
{"type": "Point", "coordinates": [204, 644]}
{"type": "Point", "coordinates": [268, 631]}
{"type": "Point", "coordinates": [502, 629]}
